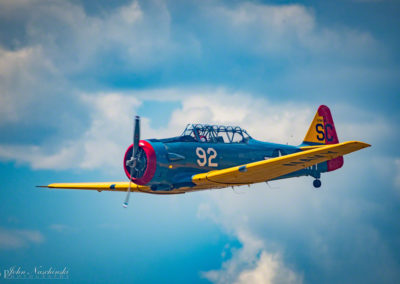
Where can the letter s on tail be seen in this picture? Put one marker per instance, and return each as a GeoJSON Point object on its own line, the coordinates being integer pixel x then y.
{"type": "Point", "coordinates": [322, 132]}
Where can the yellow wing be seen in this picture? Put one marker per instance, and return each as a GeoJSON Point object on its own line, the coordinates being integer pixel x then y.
{"type": "Point", "coordinates": [100, 186]}
{"type": "Point", "coordinates": [273, 168]}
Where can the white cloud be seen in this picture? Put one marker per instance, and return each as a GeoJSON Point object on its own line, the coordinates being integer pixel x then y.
{"type": "Point", "coordinates": [38, 158]}
{"type": "Point", "coordinates": [60, 228]}
{"type": "Point", "coordinates": [63, 45]}
{"type": "Point", "coordinates": [17, 238]}
{"type": "Point", "coordinates": [354, 123]}
{"type": "Point", "coordinates": [266, 27]}
{"type": "Point", "coordinates": [253, 264]}
{"type": "Point", "coordinates": [106, 138]}
{"type": "Point", "coordinates": [131, 13]}
{"type": "Point", "coordinates": [110, 129]}
{"type": "Point", "coordinates": [275, 122]}
{"type": "Point", "coordinates": [21, 75]}
{"type": "Point", "coordinates": [141, 35]}
{"type": "Point", "coordinates": [287, 30]}
{"type": "Point", "coordinates": [75, 40]}
{"type": "Point", "coordinates": [269, 269]}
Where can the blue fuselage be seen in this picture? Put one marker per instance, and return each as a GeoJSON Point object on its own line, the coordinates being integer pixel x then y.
{"type": "Point", "coordinates": [178, 161]}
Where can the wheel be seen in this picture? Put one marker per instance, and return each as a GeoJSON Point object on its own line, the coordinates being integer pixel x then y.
{"type": "Point", "coordinates": [317, 183]}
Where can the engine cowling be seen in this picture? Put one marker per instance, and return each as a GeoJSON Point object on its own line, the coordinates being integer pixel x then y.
{"type": "Point", "coordinates": [145, 165]}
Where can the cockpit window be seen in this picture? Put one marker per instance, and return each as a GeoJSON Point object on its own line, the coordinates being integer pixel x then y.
{"type": "Point", "coordinates": [216, 133]}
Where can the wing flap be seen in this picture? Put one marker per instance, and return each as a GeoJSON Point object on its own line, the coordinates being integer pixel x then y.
{"type": "Point", "coordinates": [273, 168]}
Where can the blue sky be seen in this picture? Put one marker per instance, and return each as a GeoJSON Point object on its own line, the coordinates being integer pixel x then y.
{"type": "Point", "coordinates": [73, 74]}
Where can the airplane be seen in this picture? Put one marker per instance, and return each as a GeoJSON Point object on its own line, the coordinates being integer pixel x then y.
{"type": "Point", "coordinates": [215, 156]}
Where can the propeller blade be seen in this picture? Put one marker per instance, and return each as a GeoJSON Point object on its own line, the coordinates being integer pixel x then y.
{"type": "Point", "coordinates": [128, 193]}
{"type": "Point", "coordinates": [136, 136]}
{"type": "Point", "coordinates": [136, 139]}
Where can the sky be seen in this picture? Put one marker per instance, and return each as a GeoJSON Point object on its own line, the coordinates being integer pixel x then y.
{"type": "Point", "coordinates": [74, 73]}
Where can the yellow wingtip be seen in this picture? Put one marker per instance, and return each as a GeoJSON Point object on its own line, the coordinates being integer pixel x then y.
{"type": "Point", "coordinates": [360, 143]}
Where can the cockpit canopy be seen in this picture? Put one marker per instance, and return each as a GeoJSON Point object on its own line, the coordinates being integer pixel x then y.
{"type": "Point", "coordinates": [215, 133]}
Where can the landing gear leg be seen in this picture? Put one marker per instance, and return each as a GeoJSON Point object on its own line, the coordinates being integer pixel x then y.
{"type": "Point", "coordinates": [317, 183]}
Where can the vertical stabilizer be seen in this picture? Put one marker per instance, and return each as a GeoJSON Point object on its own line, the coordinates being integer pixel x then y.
{"type": "Point", "coordinates": [322, 131]}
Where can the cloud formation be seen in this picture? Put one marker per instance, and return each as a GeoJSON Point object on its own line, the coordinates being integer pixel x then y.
{"type": "Point", "coordinates": [105, 138]}
{"type": "Point", "coordinates": [17, 238]}
{"type": "Point", "coordinates": [253, 264]}
{"type": "Point", "coordinates": [62, 50]}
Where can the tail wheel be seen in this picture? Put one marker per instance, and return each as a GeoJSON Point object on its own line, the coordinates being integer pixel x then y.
{"type": "Point", "coordinates": [317, 183]}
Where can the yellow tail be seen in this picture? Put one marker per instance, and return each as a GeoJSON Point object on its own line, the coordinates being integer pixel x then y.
{"type": "Point", "coordinates": [322, 129]}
